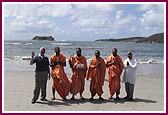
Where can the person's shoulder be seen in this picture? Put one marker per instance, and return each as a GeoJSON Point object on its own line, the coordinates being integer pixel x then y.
{"type": "Point", "coordinates": [62, 54]}
{"type": "Point", "coordinates": [118, 55]}
{"type": "Point", "coordinates": [71, 56]}
{"type": "Point", "coordinates": [93, 58]}
{"type": "Point", "coordinates": [46, 57]}
{"type": "Point", "coordinates": [37, 56]}
{"type": "Point", "coordinates": [82, 56]}
{"type": "Point", "coordinates": [100, 58]}
{"type": "Point", "coordinates": [133, 59]}
{"type": "Point", "coordinates": [110, 56]}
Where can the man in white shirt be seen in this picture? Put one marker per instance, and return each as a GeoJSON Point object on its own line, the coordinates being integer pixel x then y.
{"type": "Point", "coordinates": [129, 76]}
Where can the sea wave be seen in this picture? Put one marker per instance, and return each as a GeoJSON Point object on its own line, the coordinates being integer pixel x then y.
{"type": "Point", "coordinates": [17, 58]}
{"type": "Point", "coordinates": [17, 43]}
{"type": "Point", "coordinates": [62, 44]}
{"type": "Point", "coordinates": [150, 61]}
{"type": "Point", "coordinates": [93, 47]}
{"type": "Point", "coordinates": [12, 43]}
{"type": "Point", "coordinates": [139, 61]}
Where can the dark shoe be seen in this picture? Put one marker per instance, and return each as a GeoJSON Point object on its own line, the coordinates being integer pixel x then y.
{"type": "Point", "coordinates": [43, 99]}
{"type": "Point", "coordinates": [126, 97]}
{"type": "Point", "coordinates": [110, 98]}
{"type": "Point", "coordinates": [72, 98]}
{"type": "Point", "coordinates": [130, 99]}
{"type": "Point", "coordinates": [117, 98]}
{"type": "Point", "coordinates": [91, 99]}
{"type": "Point", "coordinates": [100, 98]}
{"type": "Point", "coordinates": [33, 101]}
{"type": "Point", "coordinates": [64, 99]}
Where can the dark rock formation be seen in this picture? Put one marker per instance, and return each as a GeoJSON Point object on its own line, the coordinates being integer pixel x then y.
{"type": "Point", "coordinates": [50, 38]}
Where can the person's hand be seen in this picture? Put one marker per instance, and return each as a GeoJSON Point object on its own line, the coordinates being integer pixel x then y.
{"type": "Point", "coordinates": [51, 64]}
{"type": "Point", "coordinates": [97, 65]}
{"type": "Point", "coordinates": [49, 77]}
{"type": "Point", "coordinates": [33, 54]}
{"type": "Point", "coordinates": [127, 63]}
{"type": "Point", "coordinates": [57, 60]}
{"type": "Point", "coordinates": [115, 61]}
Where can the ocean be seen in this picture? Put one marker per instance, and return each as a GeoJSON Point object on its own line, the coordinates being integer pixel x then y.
{"type": "Point", "coordinates": [17, 53]}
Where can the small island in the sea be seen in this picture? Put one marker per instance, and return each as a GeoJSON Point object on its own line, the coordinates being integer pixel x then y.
{"type": "Point", "coordinates": [156, 38]}
{"type": "Point", "coordinates": [49, 38]}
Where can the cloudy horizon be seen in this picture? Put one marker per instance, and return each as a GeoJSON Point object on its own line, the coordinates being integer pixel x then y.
{"type": "Point", "coordinates": [82, 21]}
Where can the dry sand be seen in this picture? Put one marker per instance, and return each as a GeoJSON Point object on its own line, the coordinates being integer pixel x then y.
{"type": "Point", "coordinates": [18, 91]}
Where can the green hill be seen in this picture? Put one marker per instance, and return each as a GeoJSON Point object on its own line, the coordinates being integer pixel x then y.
{"type": "Point", "coordinates": [156, 38]}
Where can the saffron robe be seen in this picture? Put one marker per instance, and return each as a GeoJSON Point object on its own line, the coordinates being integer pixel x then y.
{"type": "Point", "coordinates": [97, 76]}
{"type": "Point", "coordinates": [78, 75]}
{"type": "Point", "coordinates": [60, 81]}
{"type": "Point", "coordinates": [114, 72]}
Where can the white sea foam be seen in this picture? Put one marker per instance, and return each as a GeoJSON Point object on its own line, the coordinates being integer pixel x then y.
{"type": "Point", "coordinates": [62, 44]}
{"type": "Point", "coordinates": [139, 61]}
{"type": "Point", "coordinates": [12, 43]}
{"type": "Point", "coordinates": [17, 43]}
{"type": "Point", "coordinates": [17, 58]}
{"type": "Point", "coordinates": [28, 43]}
{"type": "Point", "coordinates": [150, 61]}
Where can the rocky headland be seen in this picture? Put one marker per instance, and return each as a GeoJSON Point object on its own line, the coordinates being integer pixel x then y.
{"type": "Point", "coordinates": [156, 38]}
{"type": "Point", "coordinates": [49, 38]}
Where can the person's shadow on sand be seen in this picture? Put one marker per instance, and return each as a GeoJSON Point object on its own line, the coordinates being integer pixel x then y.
{"type": "Point", "coordinates": [136, 100]}
{"type": "Point", "coordinates": [68, 102]}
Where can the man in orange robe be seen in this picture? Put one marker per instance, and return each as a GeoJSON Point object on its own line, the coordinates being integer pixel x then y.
{"type": "Point", "coordinates": [79, 67]}
{"type": "Point", "coordinates": [97, 70]}
{"type": "Point", "coordinates": [60, 81]}
{"type": "Point", "coordinates": [115, 65]}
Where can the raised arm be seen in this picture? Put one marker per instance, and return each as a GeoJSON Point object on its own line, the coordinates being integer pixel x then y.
{"type": "Point", "coordinates": [31, 61]}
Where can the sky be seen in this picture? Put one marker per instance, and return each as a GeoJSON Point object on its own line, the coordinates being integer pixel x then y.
{"type": "Point", "coordinates": [82, 21]}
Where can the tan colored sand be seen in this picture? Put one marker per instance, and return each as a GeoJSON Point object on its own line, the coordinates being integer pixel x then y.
{"type": "Point", "coordinates": [18, 91]}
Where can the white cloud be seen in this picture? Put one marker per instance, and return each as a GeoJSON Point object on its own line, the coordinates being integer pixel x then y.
{"type": "Point", "coordinates": [124, 21]}
{"type": "Point", "coordinates": [152, 18]}
{"type": "Point", "coordinates": [60, 10]}
{"type": "Point", "coordinates": [120, 14]}
{"type": "Point", "coordinates": [91, 23]}
{"type": "Point", "coordinates": [155, 7]}
{"type": "Point", "coordinates": [100, 7]}
{"type": "Point", "coordinates": [81, 20]}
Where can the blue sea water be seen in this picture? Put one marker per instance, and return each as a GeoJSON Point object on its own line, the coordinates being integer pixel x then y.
{"type": "Point", "coordinates": [17, 53]}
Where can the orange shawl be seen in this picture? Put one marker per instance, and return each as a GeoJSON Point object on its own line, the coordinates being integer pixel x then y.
{"type": "Point", "coordinates": [114, 74]}
{"type": "Point", "coordinates": [78, 75]}
{"type": "Point", "coordinates": [114, 70]}
{"type": "Point", "coordinates": [60, 81]}
{"type": "Point", "coordinates": [97, 75]}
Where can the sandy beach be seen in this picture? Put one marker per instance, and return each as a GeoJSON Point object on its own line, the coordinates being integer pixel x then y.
{"type": "Point", "coordinates": [148, 95]}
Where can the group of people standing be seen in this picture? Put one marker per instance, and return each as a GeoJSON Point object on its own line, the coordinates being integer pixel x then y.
{"type": "Point", "coordinates": [78, 64]}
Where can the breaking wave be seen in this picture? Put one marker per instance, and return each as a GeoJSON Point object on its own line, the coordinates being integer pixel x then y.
{"type": "Point", "coordinates": [62, 44]}
{"type": "Point", "coordinates": [139, 61]}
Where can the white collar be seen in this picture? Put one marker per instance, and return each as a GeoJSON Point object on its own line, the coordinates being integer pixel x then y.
{"type": "Point", "coordinates": [41, 56]}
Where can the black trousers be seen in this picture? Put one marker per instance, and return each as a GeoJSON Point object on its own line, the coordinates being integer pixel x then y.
{"type": "Point", "coordinates": [129, 89]}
